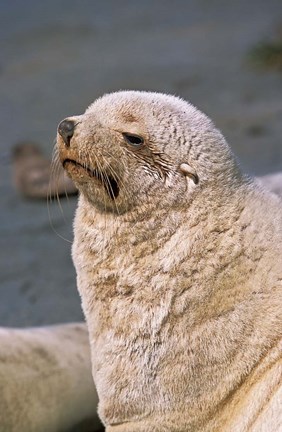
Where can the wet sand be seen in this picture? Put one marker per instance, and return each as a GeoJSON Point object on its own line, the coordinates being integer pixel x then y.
{"type": "Point", "coordinates": [57, 56]}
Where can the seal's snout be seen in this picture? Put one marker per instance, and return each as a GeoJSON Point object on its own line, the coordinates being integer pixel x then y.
{"type": "Point", "coordinates": [66, 130]}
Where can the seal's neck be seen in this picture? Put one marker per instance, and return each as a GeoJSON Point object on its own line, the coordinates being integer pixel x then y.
{"type": "Point", "coordinates": [175, 288]}
{"type": "Point", "coordinates": [145, 228]}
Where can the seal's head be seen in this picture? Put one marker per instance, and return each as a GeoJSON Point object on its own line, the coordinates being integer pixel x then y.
{"type": "Point", "coordinates": [133, 147]}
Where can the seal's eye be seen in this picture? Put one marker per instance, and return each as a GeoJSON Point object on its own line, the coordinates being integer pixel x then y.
{"type": "Point", "coordinates": [134, 140]}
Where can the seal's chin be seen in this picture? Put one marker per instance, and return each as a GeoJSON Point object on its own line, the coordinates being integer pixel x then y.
{"type": "Point", "coordinates": [75, 169]}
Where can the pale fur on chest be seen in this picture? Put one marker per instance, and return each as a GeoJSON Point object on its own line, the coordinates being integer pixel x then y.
{"type": "Point", "coordinates": [141, 288]}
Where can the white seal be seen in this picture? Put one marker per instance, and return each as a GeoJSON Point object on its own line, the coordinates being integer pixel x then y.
{"type": "Point", "coordinates": [178, 260]}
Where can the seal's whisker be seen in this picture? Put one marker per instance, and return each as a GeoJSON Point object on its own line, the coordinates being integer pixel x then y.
{"type": "Point", "coordinates": [124, 188]}
{"type": "Point", "coordinates": [56, 174]}
{"type": "Point", "coordinates": [53, 176]}
{"type": "Point", "coordinates": [55, 166]}
{"type": "Point", "coordinates": [105, 180]}
{"type": "Point", "coordinates": [54, 163]}
{"type": "Point", "coordinates": [97, 163]}
{"type": "Point", "coordinates": [105, 217]}
{"type": "Point", "coordinates": [116, 175]}
{"type": "Point", "coordinates": [117, 209]}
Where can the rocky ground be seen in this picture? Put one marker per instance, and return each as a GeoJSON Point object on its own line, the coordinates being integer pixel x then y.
{"type": "Point", "coordinates": [57, 56]}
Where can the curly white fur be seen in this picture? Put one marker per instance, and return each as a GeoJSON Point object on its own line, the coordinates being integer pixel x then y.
{"type": "Point", "coordinates": [180, 279]}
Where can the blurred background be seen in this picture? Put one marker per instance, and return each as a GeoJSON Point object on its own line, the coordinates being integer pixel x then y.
{"type": "Point", "coordinates": [58, 56]}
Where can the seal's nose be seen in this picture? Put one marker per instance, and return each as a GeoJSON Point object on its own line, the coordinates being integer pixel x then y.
{"type": "Point", "coordinates": [66, 130]}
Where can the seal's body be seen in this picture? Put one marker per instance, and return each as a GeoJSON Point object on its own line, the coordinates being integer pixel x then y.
{"type": "Point", "coordinates": [45, 380]}
{"type": "Point", "coordinates": [178, 259]}
{"type": "Point", "coordinates": [273, 182]}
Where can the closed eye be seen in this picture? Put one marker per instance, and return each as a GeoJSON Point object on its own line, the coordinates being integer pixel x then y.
{"type": "Point", "coordinates": [134, 140]}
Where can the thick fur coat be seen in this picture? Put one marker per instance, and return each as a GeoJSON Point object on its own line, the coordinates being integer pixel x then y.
{"type": "Point", "coordinates": [179, 267]}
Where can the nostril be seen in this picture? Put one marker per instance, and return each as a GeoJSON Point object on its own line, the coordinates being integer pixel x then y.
{"type": "Point", "coordinates": [66, 130]}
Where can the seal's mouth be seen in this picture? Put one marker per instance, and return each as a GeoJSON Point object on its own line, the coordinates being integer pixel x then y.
{"type": "Point", "coordinates": [108, 181]}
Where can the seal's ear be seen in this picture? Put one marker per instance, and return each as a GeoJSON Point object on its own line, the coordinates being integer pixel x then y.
{"type": "Point", "coordinates": [188, 171]}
